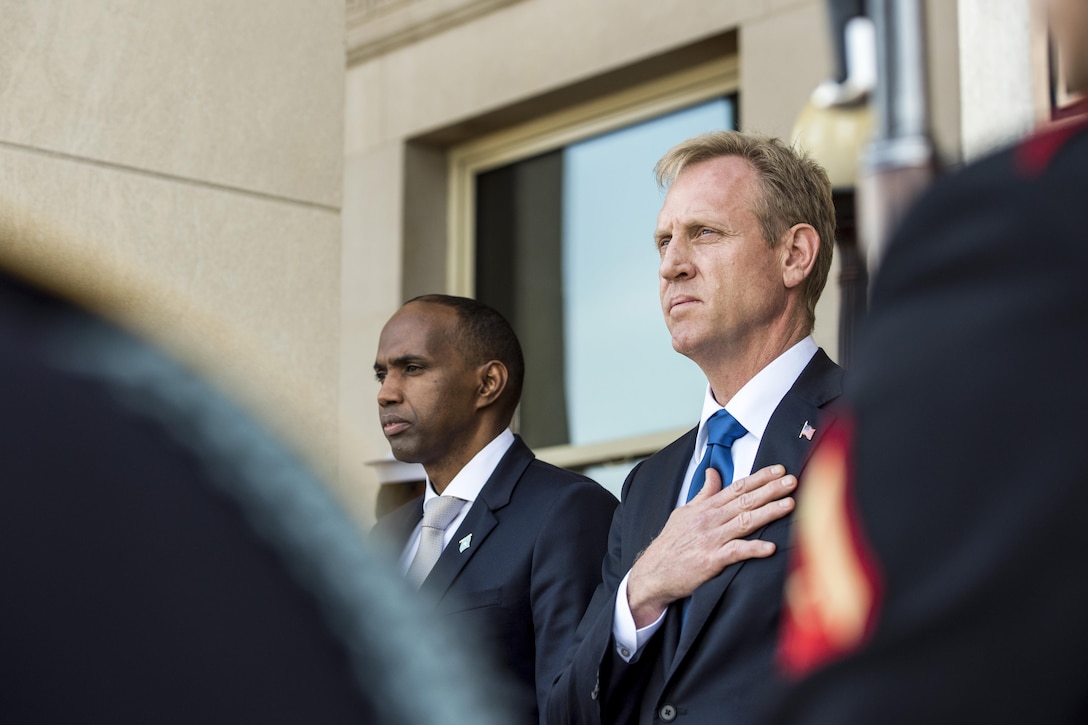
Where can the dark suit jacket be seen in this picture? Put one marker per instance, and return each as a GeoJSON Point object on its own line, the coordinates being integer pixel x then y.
{"type": "Point", "coordinates": [716, 670]}
{"type": "Point", "coordinates": [970, 458]}
{"type": "Point", "coordinates": [539, 534]}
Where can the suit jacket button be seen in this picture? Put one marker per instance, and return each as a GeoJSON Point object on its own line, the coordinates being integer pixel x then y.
{"type": "Point", "coordinates": [667, 713]}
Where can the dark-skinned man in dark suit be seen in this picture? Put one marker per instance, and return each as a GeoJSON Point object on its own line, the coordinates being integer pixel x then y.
{"type": "Point", "coordinates": [521, 556]}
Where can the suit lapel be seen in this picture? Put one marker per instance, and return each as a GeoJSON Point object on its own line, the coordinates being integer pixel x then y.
{"type": "Point", "coordinates": [783, 442]}
{"type": "Point", "coordinates": [785, 439]}
{"type": "Point", "coordinates": [653, 494]}
{"type": "Point", "coordinates": [391, 532]}
{"type": "Point", "coordinates": [480, 520]}
{"type": "Point", "coordinates": [394, 529]}
{"type": "Point", "coordinates": [660, 481]}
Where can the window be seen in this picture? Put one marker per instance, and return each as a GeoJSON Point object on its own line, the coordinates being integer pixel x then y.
{"type": "Point", "coordinates": [557, 235]}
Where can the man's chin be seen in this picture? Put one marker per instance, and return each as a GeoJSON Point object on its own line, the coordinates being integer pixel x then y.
{"type": "Point", "coordinates": [402, 450]}
{"type": "Point", "coordinates": [686, 345]}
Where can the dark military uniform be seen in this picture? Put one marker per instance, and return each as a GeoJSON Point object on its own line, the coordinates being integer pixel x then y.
{"type": "Point", "coordinates": [965, 486]}
{"type": "Point", "coordinates": [166, 560]}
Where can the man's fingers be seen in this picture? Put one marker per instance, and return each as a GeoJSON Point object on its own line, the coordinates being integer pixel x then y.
{"type": "Point", "coordinates": [741, 549]}
{"type": "Point", "coordinates": [747, 521]}
{"type": "Point", "coordinates": [749, 493]}
{"type": "Point", "coordinates": [761, 477]}
{"type": "Point", "coordinates": [735, 547]}
{"type": "Point", "coordinates": [774, 474]}
{"type": "Point", "coordinates": [712, 485]}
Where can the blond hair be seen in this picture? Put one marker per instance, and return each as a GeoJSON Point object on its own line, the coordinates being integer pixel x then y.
{"type": "Point", "coordinates": [795, 190]}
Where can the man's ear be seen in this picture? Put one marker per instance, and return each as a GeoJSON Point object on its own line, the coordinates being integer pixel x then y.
{"type": "Point", "coordinates": [801, 246]}
{"type": "Point", "coordinates": [491, 382]}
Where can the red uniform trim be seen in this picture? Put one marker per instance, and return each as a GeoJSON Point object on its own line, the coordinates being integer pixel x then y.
{"type": "Point", "coordinates": [807, 642]}
{"type": "Point", "coordinates": [1034, 155]}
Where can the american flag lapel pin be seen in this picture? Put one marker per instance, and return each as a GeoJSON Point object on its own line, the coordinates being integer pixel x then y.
{"type": "Point", "coordinates": [807, 431]}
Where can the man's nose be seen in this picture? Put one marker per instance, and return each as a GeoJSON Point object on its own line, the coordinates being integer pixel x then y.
{"type": "Point", "coordinates": [676, 261]}
{"type": "Point", "coordinates": [389, 392]}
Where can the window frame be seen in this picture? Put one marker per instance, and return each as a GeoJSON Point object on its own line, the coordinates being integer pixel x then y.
{"type": "Point", "coordinates": [694, 85]}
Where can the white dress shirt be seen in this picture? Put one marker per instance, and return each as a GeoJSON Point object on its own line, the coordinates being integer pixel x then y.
{"type": "Point", "coordinates": [752, 406]}
{"type": "Point", "coordinates": [465, 485]}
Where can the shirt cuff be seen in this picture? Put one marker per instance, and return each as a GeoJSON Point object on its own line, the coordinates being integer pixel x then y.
{"type": "Point", "coordinates": [629, 640]}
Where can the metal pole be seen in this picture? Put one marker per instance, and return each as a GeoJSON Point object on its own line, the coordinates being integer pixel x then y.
{"type": "Point", "coordinates": [901, 160]}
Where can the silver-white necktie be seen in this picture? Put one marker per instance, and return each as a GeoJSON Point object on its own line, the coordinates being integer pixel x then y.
{"type": "Point", "coordinates": [438, 513]}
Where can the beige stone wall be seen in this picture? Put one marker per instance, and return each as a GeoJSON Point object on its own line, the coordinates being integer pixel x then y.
{"type": "Point", "coordinates": [1004, 85]}
{"type": "Point", "coordinates": [198, 144]}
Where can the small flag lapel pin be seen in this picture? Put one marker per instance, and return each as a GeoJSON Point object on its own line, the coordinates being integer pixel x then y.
{"type": "Point", "coordinates": [807, 431]}
{"type": "Point", "coordinates": [465, 542]}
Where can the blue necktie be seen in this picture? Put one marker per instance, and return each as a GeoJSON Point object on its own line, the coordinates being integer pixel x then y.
{"type": "Point", "coordinates": [722, 431]}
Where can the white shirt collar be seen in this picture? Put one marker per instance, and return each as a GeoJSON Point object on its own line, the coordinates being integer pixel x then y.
{"type": "Point", "coordinates": [754, 403]}
{"type": "Point", "coordinates": [471, 479]}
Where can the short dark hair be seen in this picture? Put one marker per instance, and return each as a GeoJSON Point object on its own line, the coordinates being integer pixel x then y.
{"type": "Point", "coordinates": [484, 334]}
